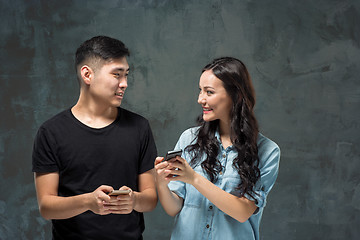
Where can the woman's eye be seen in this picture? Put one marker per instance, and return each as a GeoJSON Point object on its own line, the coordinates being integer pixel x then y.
{"type": "Point", "coordinates": [209, 92]}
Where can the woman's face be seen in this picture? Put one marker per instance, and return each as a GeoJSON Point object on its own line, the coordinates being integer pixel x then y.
{"type": "Point", "coordinates": [213, 98]}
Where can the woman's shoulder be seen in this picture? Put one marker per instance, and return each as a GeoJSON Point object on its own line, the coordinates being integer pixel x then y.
{"type": "Point", "coordinates": [193, 131]}
{"type": "Point", "coordinates": [189, 135]}
{"type": "Point", "coordinates": [265, 142]}
{"type": "Point", "coordinates": [267, 149]}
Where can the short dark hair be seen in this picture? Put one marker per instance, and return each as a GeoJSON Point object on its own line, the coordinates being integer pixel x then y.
{"type": "Point", "coordinates": [102, 48]}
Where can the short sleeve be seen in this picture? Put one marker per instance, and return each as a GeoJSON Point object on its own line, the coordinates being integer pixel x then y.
{"type": "Point", "coordinates": [44, 158]}
{"type": "Point", "coordinates": [148, 150]}
{"type": "Point", "coordinates": [269, 156]}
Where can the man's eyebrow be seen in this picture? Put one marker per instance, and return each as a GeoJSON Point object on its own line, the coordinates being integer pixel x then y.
{"type": "Point", "coordinates": [121, 69]}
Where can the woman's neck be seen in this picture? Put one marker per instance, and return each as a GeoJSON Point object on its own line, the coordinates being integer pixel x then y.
{"type": "Point", "coordinates": [225, 133]}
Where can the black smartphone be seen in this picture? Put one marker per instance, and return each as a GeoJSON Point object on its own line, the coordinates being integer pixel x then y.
{"type": "Point", "coordinates": [172, 154]}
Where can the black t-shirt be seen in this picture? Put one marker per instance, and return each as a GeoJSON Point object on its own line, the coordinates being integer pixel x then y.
{"type": "Point", "coordinates": [87, 158]}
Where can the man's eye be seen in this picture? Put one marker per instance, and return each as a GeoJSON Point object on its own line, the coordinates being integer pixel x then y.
{"type": "Point", "coordinates": [209, 92]}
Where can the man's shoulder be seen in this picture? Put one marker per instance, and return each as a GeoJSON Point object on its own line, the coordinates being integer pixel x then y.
{"type": "Point", "coordinates": [129, 115]}
{"type": "Point", "coordinates": [58, 118]}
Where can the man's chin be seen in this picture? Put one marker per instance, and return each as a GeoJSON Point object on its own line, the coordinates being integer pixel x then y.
{"type": "Point", "coordinates": [118, 104]}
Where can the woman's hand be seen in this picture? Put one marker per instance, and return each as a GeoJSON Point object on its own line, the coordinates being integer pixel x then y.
{"type": "Point", "coordinates": [180, 170]}
{"type": "Point", "coordinates": [171, 202]}
{"type": "Point", "coordinates": [163, 171]}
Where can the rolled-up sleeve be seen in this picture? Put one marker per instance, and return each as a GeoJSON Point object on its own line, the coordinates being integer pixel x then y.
{"type": "Point", "coordinates": [178, 188]}
{"type": "Point", "coordinates": [269, 156]}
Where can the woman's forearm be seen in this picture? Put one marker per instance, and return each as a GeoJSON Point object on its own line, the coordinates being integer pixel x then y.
{"type": "Point", "coordinates": [171, 202]}
{"type": "Point", "coordinates": [238, 208]}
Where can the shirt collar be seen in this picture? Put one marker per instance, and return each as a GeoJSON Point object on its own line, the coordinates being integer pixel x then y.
{"type": "Point", "coordinates": [217, 136]}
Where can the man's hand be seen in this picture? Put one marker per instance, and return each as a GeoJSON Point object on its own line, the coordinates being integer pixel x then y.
{"type": "Point", "coordinates": [121, 204]}
{"type": "Point", "coordinates": [98, 200]}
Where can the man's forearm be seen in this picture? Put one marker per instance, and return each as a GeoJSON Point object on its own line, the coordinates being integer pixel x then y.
{"type": "Point", "coordinates": [55, 207]}
{"type": "Point", "coordinates": [146, 200]}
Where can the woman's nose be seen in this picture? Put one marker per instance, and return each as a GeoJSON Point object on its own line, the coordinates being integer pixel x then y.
{"type": "Point", "coordinates": [201, 99]}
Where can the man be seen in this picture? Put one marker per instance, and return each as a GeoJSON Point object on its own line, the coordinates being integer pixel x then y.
{"type": "Point", "coordinates": [86, 152]}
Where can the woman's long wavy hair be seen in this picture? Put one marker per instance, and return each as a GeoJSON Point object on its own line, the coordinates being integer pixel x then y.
{"type": "Point", "coordinates": [244, 127]}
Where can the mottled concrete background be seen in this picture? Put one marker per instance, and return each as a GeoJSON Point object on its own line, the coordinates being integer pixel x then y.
{"type": "Point", "coordinates": [304, 58]}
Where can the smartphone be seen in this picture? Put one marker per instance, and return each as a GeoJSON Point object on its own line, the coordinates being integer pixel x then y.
{"type": "Point", "coordinates": [172, 154]}
{"type": "Point", "coordinates": [118, 192]}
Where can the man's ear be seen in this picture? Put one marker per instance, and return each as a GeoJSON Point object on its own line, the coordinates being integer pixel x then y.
{"type": "Point", "coordinates": [87, 74]}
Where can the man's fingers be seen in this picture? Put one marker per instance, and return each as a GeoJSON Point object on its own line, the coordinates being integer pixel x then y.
{"type": "Point", "coordinates": [105, 188]}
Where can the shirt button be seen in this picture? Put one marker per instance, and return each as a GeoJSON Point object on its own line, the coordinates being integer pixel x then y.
{"type": "Point", "coordinates": [207, 226]}
{"type": "Point", "coordinates": [224, 155]}
{"type": "Point", "coordinates": [221, 173]}
{"type": "Point", "coordinates": [211, 207]}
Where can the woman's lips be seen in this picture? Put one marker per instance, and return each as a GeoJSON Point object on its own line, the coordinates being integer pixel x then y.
{"type": "Point", "coordinates": [207, 110]}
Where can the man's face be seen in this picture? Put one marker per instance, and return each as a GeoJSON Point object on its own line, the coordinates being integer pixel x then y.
{"type": "Point", "coordinates": [110, 82]}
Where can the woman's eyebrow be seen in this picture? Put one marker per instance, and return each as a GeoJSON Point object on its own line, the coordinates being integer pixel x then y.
{"type": "Point", "coordinates": [207, 87]}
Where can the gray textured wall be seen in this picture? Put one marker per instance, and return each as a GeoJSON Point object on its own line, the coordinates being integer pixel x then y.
{"type": "Point", "coordinates": [304, 57]}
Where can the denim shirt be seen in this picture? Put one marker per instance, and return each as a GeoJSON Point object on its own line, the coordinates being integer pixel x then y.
{"type": "Point", "coordinates": [201, 219]}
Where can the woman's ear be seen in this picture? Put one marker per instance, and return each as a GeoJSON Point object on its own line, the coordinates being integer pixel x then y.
{"type": "Point", "coordinates": [86, 74]}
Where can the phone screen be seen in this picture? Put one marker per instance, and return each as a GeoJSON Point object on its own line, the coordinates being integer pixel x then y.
{"type": "Point", "coordinates": [172, 154]}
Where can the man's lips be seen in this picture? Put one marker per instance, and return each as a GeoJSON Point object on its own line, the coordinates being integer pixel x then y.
{"type": "Point", "coordinates": [120, 94]}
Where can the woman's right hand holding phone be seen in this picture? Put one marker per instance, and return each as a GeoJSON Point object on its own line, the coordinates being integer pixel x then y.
{"type": "Point", "coordinates": [171, 203]}
{"type": "Point", "coordinates": [162, 171]}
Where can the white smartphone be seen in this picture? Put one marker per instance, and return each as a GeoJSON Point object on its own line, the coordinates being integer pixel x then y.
{"type": "Point", "coordinates": [119, 192]}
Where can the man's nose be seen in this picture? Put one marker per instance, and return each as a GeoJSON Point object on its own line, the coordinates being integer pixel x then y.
{"type": "Point", "coordinates": [123, 83]}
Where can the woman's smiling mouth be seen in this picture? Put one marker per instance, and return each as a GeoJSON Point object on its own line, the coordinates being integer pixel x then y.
{"type": "Point", "coordinates": [207, 110]}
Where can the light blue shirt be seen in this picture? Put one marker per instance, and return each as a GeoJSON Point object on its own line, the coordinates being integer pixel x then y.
{"type": "Point", "coordinates": [199, 218]}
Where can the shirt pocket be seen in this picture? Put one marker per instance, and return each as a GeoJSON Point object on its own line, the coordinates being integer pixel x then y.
{"type": "Point", "coordinates": [193, 197]}
{"type": "Point", "coordinates": [231, 183]}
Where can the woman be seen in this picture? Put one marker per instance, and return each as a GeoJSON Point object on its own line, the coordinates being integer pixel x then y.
{"type": "Point", "coordinates": [217, 189]}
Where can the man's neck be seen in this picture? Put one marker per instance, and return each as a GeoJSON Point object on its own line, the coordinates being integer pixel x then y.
{"type": "Point", "coordinates": [93, 115]}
